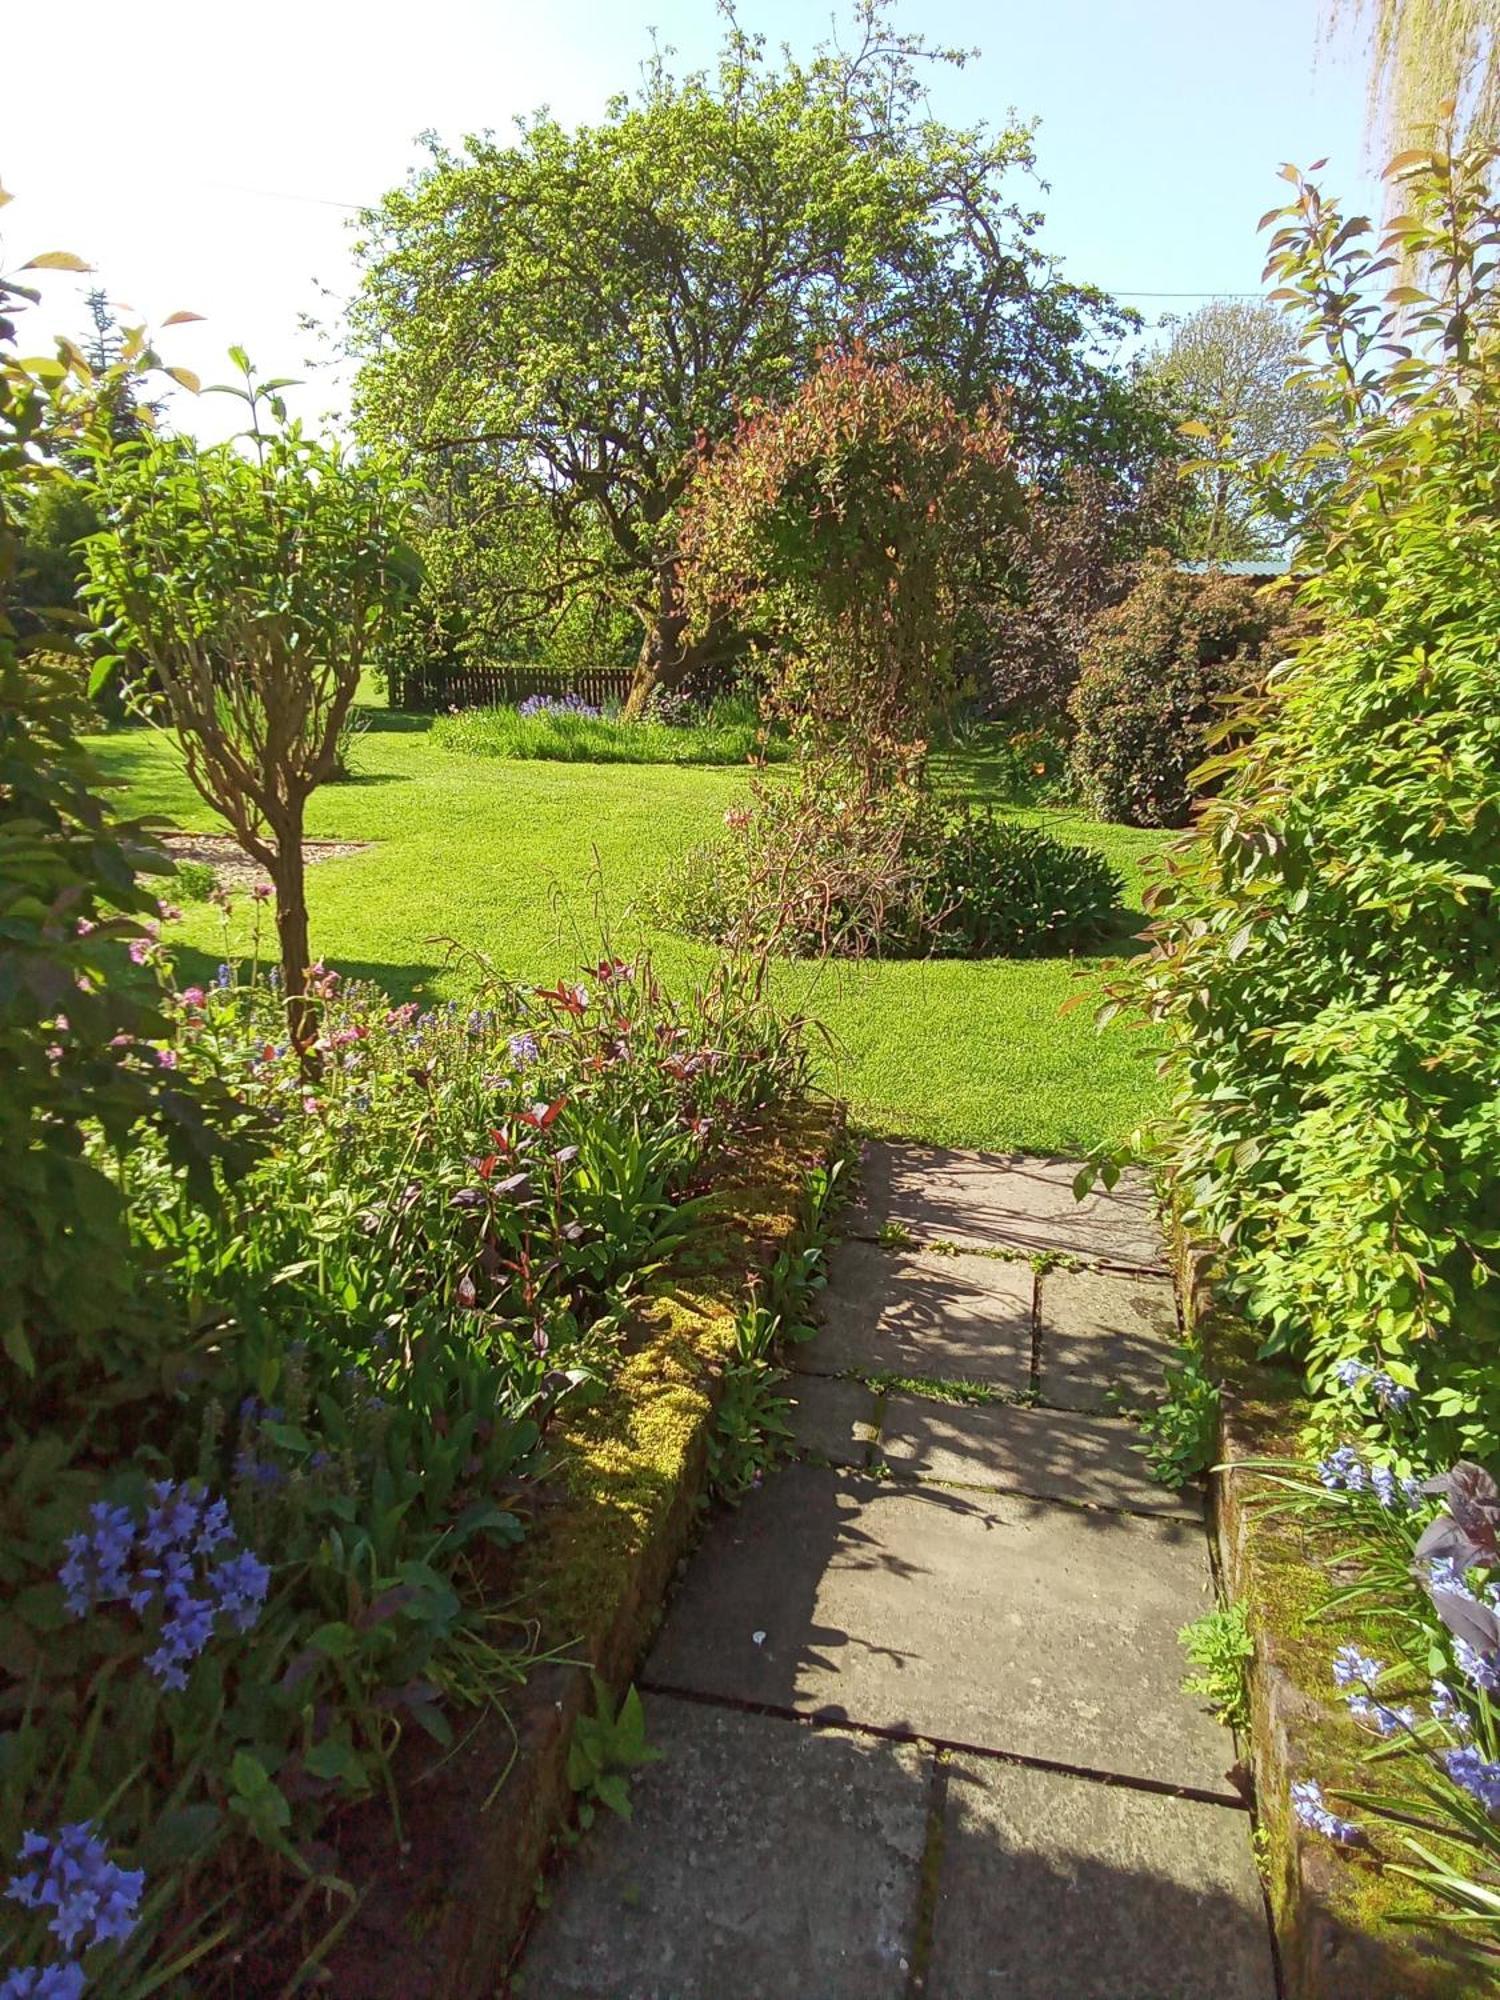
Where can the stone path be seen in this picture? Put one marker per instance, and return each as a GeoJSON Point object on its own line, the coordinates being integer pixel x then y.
{"type": "Point", "coordinates": [918, 1698]}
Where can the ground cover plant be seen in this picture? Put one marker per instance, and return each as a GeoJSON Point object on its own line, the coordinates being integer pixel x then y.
{"type": "Point", "coordinates": [271, 1546]}
{"type": "Point", "coordinates": [569, 731]}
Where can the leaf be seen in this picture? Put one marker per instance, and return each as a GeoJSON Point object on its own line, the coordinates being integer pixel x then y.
{"type": "Point", "coordinates": [57, 260]}
{"type": "Point", "coordinates": [613, 1790]}
{"type": "Point", "coordinates": [181, 318]}
{"type": "Point", "coordinates": [337, 1758]}
{"type": "Point", "coordinates": [186, 379]}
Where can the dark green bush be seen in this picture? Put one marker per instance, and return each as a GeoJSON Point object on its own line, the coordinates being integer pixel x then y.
{"type": "Point", "coordinates": [809, 871]}
{"type": "Point", "coordinates": [1155, 677]}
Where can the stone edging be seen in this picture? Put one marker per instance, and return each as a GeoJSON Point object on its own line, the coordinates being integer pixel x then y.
{"type": "Point", "coordinates": [443, 1919]}
{"type": "Point", "coordinates": [1330, 1912]}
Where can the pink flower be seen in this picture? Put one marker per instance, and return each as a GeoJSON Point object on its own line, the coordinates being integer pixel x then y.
{"type": "Point", "coordinates": [84, 926]}
{"type": "Point", "coordinates": [261, 892]}
{"type": "Point", "coordinates": [54, 1054]}
{"type": "Point", "coordinates": [166, 1058]}
{"type": "Point", "coordinates": [169, 914]}
{"type": "Point", "coordinates": [193, 996]}
{"type": "Point", "coordinates": [140, 950]}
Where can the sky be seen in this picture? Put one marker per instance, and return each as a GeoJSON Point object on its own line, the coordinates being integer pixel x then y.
{"type": "Point", "coordinates": [209, 158]}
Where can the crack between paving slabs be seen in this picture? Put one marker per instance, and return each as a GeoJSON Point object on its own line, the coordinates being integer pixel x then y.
{"type": "Point", "coordinates": [929, 1877]}
{"type": "Point", "coordinates": [956, 1746]}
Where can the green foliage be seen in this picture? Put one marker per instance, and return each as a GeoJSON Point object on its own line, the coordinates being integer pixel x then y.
{"type": "Point", "coordinates": [1154, 680]}
{"type": "Point", "coordinates": [78, 1015]}
{"type": "Point", "coordinates": [1219, 1645]}
{"type": "Point", "coordinates": [1326, 953]}
{"type": "Point", "coordinates": [254, 586]}
{"type": "Point", "coordinates": [838, 524]}
{"type": "Point", "coordinates": [729, 732]}
{"type": "Point", "coordinates": [816, 870]}
{"type": "Point", "coordinates": [550, 327]}
{"type": "Point", "coordinates": [1182, 1431]}
{"type": "Point", "coordinates": [1228, 372]}
{"type": "Point", "coordinates": [607, 1749]}
{"type": "Point", "coordinates": [382, 1313]}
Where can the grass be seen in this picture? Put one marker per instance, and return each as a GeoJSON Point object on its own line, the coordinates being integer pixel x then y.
{"type": "Point", "coordinates": [524, 859]}
{"type": "Point", "coordinates": [730, 734]}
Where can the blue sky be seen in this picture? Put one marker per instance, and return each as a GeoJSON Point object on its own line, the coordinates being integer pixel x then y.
{"type": "Point", "coordinates": [219, 178]}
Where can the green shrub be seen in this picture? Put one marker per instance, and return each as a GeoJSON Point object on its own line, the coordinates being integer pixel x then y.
{"type": "Point", "coordinates": [810, 870]}
{"type": "Point", "coordinates": [1327, 950]}
{"type": "Point", "coordinates": [193, 881]}
{"type": "Point", "coordinates": [1155, 676]}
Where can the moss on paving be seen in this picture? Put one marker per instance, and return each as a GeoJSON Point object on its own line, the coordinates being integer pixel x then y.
{"type": "Point", "coordinates": [522, 860]}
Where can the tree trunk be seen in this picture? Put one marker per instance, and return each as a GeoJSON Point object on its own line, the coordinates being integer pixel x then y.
{"type": "Point", "coordinates": [668, 655]}
{"type": "Point", "coordinates": [292, 938]}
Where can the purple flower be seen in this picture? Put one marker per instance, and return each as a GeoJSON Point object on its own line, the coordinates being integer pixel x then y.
{"type": "Point", "coordinates": [1344, 1468]}
{"type": "Point", "coordinates": [224, 978]}
{"type": "Point", "coordinates": [1351, 1373]}
{"type": "Point", "coordinates": [94, 1570]}
{"type": "Point", "coordinates": [1444, 1575]}
{"type": "Point", "coordinates": [1351, 1666]}
{"type": "Point", "coordinates": [1307, 1804]}
{"type": "Point", "coordinates": [523, 1049]}
{"type": "Point", "coordinates": [1477, 1776]}
{"type": "Point", "coordinates": [44, 1982]}
{"type": "Point", "coordinates": [1377, 1716]}
{"type": "Point", "coordinates": [94, 1900]}
{"type": "Point", "coordinates": [182, 1564]}
{"type": "Point", "coordinates": [1484, 1673]}
{"type": "Point", "coordinates": [1392, 1395]}
{"type": "Point", "coordinates": [557, 704]}
{"type": "Point", "coordinates": [1445, 1709]}
{"type": "Point", "coordinates": [1383, 1485]}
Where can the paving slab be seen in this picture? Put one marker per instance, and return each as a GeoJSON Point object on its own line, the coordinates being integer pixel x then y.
{"type": "Point", "coordinates": [1054, 1886]}
{"type": "Point", "coordinates": [990, 1199]}
{"type": "Point", "coordinates": [835, 1419]}
{"type": "Point", "coordinates": [1053, 1454]}
{"type": "Point", "coordinates": [955, 1319]}
{"type": "Point", "coordinates": [1104, 1339]}
{"type": "Point", "coordinates": [763, 1858]}
{"type": "Point", "coordinates": [983, 1619]}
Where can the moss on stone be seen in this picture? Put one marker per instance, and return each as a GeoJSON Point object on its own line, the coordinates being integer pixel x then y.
{"type": "Point", "coordinates": [625, 1467]}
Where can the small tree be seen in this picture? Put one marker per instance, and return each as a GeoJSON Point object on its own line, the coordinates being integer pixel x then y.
{"type": "Point", "coordinates": [839, 526]}
{"type": "Point", "coordinates": [256, 585]}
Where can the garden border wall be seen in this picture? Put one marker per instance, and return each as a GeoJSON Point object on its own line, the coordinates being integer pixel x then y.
{"type": "Point", "coordinates": [1331, 1912]}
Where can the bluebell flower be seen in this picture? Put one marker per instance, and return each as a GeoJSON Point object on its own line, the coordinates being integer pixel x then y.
{"type": "Point", "coordinates": [44, 1982]}
{"type": "Point", "coordinates": [94, 1569]}
{"type": "Point", "coordinates": [94, 1900]}
{"type": "Point", "coordinates": [1344, 1468]}
{"type": "Point", "coordinates": [240, 1585]}
{"type": "Point", "coordinates": [1375, 1715]}
{"type": "Point", "coordinates": [1447, 1710]}
{"type": "Point", "coordinates": [1444, 1575]}
{"type": "Point", "coordinates": [1392, 1395]}
{"type": "Point", "coordinates": [162, 1566]}
{"type": "Point", "coordinates": [1477, 1776]}
{"type": "Point", "coordinates": [1351, 1666]}
{"type": "Point", "coordinates": [224, 978]}
{"type": "Point", "coordinates": [1351, 1373]}
{"type": "Point", "coordinates": [1475, 1667]}
{"type": "Point", "coordinates": [1383, 1485]}
{"type": "Point", "coordinates": [1307, 1804]}
{"type": "Point", "coordinates": [523, 1049]}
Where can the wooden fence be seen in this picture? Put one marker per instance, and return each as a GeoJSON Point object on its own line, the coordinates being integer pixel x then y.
{"type": "Point", "coordinates": [438, 685]}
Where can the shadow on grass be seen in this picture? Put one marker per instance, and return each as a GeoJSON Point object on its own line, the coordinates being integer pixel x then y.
{"type": "Point", "coordinates": [395, 722]}
{"type": "Point", "coordinates": [195, 967]}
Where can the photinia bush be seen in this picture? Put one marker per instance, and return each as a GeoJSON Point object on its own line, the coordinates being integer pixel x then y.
{"type": "Point", "coordinates": [1326, 951]}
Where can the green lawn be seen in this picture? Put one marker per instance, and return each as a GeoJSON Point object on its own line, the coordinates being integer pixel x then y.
{"type": "Point", "coordinates": [524, 860]}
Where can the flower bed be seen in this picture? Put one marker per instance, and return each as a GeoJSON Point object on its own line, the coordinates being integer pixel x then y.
{"type": "Point", "coordinates": [1369, 1741]}
{"type": "Point", "coordinates": [267, 1560]}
